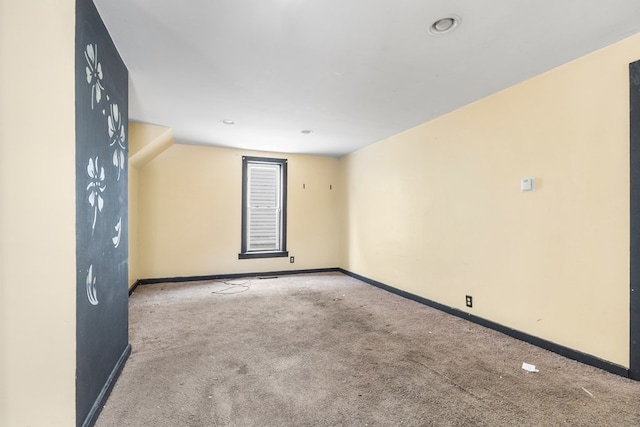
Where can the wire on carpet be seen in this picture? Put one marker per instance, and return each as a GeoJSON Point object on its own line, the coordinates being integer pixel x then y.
{"type": "Point", "coordinates": [232, 288]}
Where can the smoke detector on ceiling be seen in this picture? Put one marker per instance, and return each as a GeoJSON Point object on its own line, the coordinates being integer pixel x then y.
{"type": "Point", "coordinates": [445, 25]}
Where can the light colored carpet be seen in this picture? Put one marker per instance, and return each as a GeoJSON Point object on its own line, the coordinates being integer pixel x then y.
{"type": "Point", "coordinates": [329, 350]}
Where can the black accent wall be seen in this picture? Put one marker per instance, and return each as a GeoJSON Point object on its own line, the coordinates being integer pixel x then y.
{"type": "Point", "coordinates": [101, 96]}
{"type": "Point", "coordinates": [634, 149]}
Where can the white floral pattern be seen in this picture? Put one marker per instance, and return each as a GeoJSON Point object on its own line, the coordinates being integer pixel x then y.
{"type": "Point", "coordinates": [117, 138]}
{"type": "Point", "coordinates": [94, 73]}
{"type": "Point", "coordinates": [101, 185]}
{"type": "Point", "coordinates": [118, 161]}
{"type": "Point", "coordinates": [96, 187]}
{"type": "Point", "coordinates": [116, 238]}
{"type": "Point", "coordinates": [92, 294]}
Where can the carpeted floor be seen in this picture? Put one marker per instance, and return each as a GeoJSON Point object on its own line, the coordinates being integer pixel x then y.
{"type": "Point", "coordinates": [328, 350]}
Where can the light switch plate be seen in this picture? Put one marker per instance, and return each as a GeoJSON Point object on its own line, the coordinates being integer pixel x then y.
{"type": "Point", "coordinates": [528, 184]}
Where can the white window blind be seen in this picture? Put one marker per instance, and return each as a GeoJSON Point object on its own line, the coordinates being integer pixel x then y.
{"type": "Point", "coordinates": [263, 207]}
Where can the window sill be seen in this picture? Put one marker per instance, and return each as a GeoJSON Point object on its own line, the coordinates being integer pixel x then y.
{"type": "Point", "coordinates": [251, 255]}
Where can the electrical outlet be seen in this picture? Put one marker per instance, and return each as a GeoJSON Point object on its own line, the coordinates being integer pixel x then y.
{"type": "Point", "coordinates": [291, 260]}
{"type": "Point", "coordinates": [469, 299]}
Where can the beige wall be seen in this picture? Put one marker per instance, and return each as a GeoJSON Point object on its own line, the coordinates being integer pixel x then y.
{"type": "Point", "coordinates": [37, 213]}
{"type": "Point", "coordinates": [134, 245]}
{"type": "Point", "coordinates": [190, 212]}
{"type": "Point", "coordinates": [145, 143]}
{"type": "Point", "coordinates": [437, 210]}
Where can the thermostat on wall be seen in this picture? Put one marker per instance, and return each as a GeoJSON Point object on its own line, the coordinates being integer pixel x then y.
{"type": "Point", "coordinates": [528, 184]}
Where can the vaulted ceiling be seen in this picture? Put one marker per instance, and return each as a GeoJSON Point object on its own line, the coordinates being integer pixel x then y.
{"type": "Point", "coordinates": [352, 72]}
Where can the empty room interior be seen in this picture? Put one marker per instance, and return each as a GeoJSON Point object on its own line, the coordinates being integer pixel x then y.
{"type": "Point", "coordinates": [485, 163]}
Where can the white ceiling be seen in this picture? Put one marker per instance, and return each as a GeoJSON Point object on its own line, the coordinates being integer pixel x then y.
{"type": "Point", "coordinates": [352, 71]}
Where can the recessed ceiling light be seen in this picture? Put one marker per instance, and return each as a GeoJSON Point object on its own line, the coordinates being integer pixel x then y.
{"type": "Point", "coordinates": [445, 25]}
{"type": "Point", "coordinates": [228, 122]}
{"type": "Point", "coordinates": [306, 131]}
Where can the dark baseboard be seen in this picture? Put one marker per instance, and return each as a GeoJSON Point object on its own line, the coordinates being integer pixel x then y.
{"type": "Point", "coordinates": [587, 359]}
{"type": "Point", "coordinates": [92, 416]}
{"type": "Point", "coordinates": [132, 289]}
{"type": "Point", "coordinates": [230, 276]}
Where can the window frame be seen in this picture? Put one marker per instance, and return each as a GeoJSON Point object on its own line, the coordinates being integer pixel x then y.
{"type": "Point", "coordinates": [244, 244]}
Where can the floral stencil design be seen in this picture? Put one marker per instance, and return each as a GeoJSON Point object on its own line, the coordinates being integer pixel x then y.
{"type": "Point", "coordinates": [101, 186]}
{"type": "Point", "coordinates": [116, 238]}
{"type": "Point", "coordinates": [94, 73]}
{"type": "Point", "coordinates": [92, 294]}
{"type": "Point", "coordinates": [95, 187]}
{"type": "Point", "coordinates": [118, 161]}
{"type": "Point", "coordinates": [117, 137]}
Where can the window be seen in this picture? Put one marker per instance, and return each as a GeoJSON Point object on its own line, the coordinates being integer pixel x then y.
{"type": "Point", "coordinates": [264, 208]}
